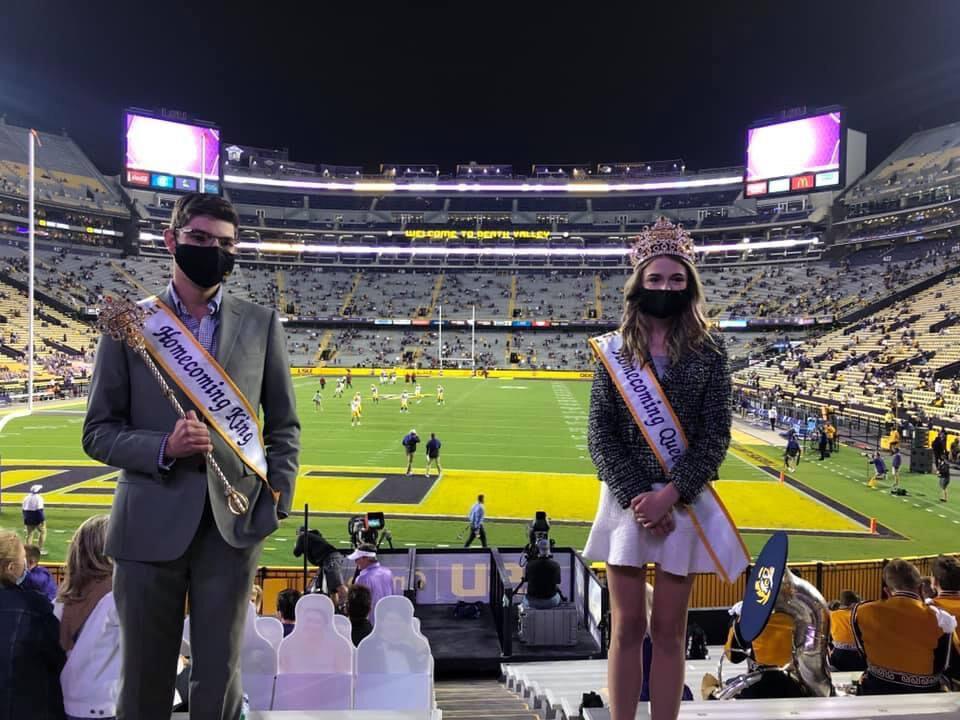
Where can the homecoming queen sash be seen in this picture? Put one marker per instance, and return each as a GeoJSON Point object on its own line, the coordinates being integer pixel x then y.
{"type": "Point", "coordinates": [654, 415]}
{"type": "Point", "coordinates": [174, 348]}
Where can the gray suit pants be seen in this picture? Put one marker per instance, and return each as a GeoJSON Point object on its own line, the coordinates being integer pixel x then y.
{"type": "Point", "coordinates": [151, 599]}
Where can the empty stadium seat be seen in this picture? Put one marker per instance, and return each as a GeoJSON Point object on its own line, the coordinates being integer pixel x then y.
{"type": "Point", "coordinates": [258, 664]}
{"type": "Point", "coordinates": [394, 668]}
{"type": "Point", "coordinates": [315, 661]}
{"type": "Point", "coordinates": [271, 629]}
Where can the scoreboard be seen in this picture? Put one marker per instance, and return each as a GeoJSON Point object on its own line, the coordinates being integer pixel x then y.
{"type": "Point", "coordinates": [169, 155]}
{"type": "Point", "coordinates": [796, 156]}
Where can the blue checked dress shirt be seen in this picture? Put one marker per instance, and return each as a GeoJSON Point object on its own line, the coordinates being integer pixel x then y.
{"type": "Point", "coordinates": [476, 516]}
{"type": "Point", "coordinates": [204, 330]}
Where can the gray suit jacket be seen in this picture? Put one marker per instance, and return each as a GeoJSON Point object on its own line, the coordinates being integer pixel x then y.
{"type": "Point", "coordinates": [156, 514]}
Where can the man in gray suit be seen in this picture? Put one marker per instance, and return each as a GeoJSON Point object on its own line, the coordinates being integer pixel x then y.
{"type": "Point", "coordinates": [171, 534]}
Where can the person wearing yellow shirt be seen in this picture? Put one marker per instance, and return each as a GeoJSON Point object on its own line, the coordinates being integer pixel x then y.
{"type": "Point", "coordinates": [843, 653]}
{"type": "Point", "coordinates": [905, 642]}
{"type": "Point", "coordinates": [771, 648]}
{"type": "Point", "coordinates": [894, 439]}
{"type": "Point", "coordinates": [831, 432]}
{"type": "Point", "coordinates": [946, 581]}
{"type": "Point", "coordinates": [768, 653]}
{"type": "Point", "coordinates": [355, 410]}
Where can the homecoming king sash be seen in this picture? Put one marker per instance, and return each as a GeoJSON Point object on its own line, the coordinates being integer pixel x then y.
{"type": "Point", "coordinates": [185, 361]}
{"type": "Point", "coordinates": [654, 415]}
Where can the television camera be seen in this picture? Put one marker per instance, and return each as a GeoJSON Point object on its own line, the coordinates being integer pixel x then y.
{"type": "Point", "coordinates": [369, 528]}
{"type": "Point", "coordinates": [539, 543]}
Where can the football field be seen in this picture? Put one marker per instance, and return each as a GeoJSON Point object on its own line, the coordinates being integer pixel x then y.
{"type": "Point", "coordinates": [520, 442]}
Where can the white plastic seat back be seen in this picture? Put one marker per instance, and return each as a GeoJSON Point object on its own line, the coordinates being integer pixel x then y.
{"type": "Point", "coordinates": [316, 662]}
{"type": "Point", "coordinates": [258, 664]}
{"type": "Point", "coordinates": [271, 629]}
{"type": "Point", "coordinates": [394, 665]}
{"type": "Point", "coordinates": [343, 626]}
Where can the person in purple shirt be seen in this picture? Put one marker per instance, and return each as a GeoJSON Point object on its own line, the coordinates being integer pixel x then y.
{"type": "Point", "coordinates": [38, 578]}
{"type": "Point", "coordinates": [880, 469]}
{"type": "Point", "coordinates": [896, 462]}
{"type": "Point", "coordinates": [372, 575]}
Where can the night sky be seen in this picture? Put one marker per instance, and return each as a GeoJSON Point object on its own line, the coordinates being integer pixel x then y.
{"type": "Point", "coordinates": [516, 82]}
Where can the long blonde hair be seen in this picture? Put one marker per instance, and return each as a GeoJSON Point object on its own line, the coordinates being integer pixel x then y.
{"type": "Point", "coordinates": [10, 545]}
{"type": "Point", "coordinates": [86, 561]}
{"type": "Point", "coordinates": [689, 332]}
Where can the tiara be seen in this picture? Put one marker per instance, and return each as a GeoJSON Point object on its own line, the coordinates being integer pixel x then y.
{"type": "Point", "coordinates": [663, 238]}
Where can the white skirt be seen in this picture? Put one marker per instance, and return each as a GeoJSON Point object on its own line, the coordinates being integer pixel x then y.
{"type": "Point", "coordinates": [616, 538]}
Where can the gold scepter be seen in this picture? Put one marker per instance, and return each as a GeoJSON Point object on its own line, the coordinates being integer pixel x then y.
{"type": "Point", "coordinates": [123, 320]}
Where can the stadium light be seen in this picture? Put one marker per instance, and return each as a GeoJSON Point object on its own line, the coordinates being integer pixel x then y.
{"type": "Point", "coordinates": [428, 187]}
{"type": "Point", "coordinates": [303, 248]}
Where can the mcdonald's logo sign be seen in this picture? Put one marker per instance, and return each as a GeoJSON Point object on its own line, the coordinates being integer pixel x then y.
{"type": "Point", "coordinates": [801, 182]}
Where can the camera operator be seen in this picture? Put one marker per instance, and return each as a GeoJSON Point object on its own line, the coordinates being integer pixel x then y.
{"type": "Point", "coordinates": [327, 558]}
{"type": "Point", "coordinates": [542, 576]}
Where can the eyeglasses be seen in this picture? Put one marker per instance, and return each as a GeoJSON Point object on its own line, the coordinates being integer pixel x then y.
{"type": "Point", "coordinates": [202, 237]}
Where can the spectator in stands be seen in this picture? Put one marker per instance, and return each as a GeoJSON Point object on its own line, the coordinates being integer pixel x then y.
{"type": "Point", "coordinates": [39, 578]}
{"type": "Point", "coordinates": [31, 658]}
{"type": "Point", "coordinates": [769, 651]}
{"type": "Point", "coordinates": [327, 558]}
{"type": "Point", "coordinates": [359, 610]}
{"type": "Point", "coordinates": [843, 653]}
{"type": "Point", "coordinates": [287, 608]}
{"type": "Point", "coordinates": [371, 574]}
{"type": "Point", "coordinates": [663, 321]}
{"type": "Point", "coordinates": [905, 643]}
{"type": "Point", "coordinates": [89, 627]}
{"type": "Point", "coordinates": [34, 518]}
{"type": "Point", "coordinates": [256, 597]}
{"type": "Point", "coordinates": [169, 537]}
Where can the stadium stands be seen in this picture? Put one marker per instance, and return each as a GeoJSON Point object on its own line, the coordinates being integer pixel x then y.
{"type": "Point", "coordinates": [924, 169]}
{"type": "Point", "coordinates": [65, 175]}
{"type": "Point", "coordinates": [899, 350]}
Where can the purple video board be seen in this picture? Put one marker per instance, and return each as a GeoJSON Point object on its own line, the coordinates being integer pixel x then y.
{"type": "Point", "coordinates": [169, 149]}
{"type": "Point", "coordinates": [795, 147]}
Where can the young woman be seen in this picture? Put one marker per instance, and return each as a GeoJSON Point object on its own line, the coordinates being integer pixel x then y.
{"type": "Point", "coordinates": [89, 626]}
{"type": "Point", "coordinates": [30, 655]}
{"type": "Point", "coordinates": [659, 428]}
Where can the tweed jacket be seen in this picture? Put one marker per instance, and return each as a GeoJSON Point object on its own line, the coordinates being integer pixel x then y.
{"type": "Point", "coordinates": [699, 389]}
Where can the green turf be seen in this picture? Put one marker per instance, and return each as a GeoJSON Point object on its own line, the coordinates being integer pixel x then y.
{"type": "Point", "coordinates": [528, 425]}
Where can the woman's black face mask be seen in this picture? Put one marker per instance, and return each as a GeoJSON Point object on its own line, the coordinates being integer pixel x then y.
{"type": "Point", "coordinates": [662, 304]}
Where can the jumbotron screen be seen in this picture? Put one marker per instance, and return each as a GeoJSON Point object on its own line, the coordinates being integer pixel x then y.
{"type": "Point", "coordinates": [796, 156]}
{"type": "Point", "coordinates": [163, 154]}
